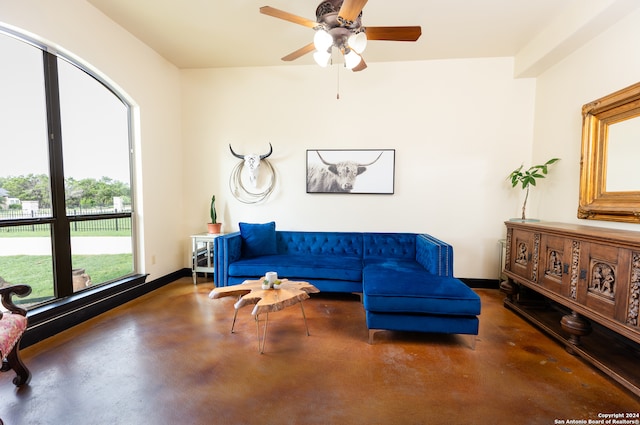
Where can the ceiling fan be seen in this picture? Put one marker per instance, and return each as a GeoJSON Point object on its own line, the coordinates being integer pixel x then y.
{"type": "Point", "coordinates": [339, 24]}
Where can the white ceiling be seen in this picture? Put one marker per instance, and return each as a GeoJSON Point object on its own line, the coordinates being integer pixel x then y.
{"type": "Point", "coordinates": [232, 33]}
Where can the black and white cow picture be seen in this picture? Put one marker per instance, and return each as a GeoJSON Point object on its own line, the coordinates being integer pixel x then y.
{"type": "Point", "coordinates": [338, 176]}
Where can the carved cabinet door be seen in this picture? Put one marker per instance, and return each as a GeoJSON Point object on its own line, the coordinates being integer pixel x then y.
{"type": "Point", "coordinates": [523, 254]}
{"type": "Point", "coordinates": [605, 272]}
{"type": "Point", "coordinates": [557, 265]}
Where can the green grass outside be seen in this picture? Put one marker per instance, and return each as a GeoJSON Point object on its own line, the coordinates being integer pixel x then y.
{"type": "Point", "coordinates": [37, 270]}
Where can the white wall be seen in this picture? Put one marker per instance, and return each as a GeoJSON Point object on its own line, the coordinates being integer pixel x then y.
{"type": "Point", "coordinates": [458, 127]}
{"type": "Point", "coordinates": [608, 63]}
{"type": "Point", "coordinates": [154, 86]}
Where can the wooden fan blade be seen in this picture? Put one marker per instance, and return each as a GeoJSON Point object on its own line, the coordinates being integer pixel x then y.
{"type": "Point", "coordinates": [393, 33]}
{"type": "Point", "coordinates": [351, 9]}
{"type": "Point", "coordinates": [361, 66]}
{"type": "Point", "coordinates": [300, 52]}
{"type": "Point", "coordinates": [277, 13]}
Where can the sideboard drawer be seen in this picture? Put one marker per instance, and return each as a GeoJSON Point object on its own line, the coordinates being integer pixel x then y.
{"type": "Point", "coordinates": [605, 287]}
{"type": "Point", "coordinates": [522, 260]}
{"type": "Point", "coordinates": [555, 264]}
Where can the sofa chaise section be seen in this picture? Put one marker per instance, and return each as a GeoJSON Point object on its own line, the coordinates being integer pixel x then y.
{"type": "Point", "coordinates": [408, 285]}
{"type": "Point", "coordinates": [418, 301]}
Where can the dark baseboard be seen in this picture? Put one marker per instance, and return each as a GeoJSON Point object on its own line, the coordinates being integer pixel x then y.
{"type": "Point", "coordinates": [470, 282]}
{"type": "Point", "coordinates": [481, 283]}
{"type": "Point", "coordinates": [55, 317]}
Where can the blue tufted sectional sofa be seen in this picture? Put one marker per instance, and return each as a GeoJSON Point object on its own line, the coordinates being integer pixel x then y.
{"type": "Point", "coordinates": [406, 279]}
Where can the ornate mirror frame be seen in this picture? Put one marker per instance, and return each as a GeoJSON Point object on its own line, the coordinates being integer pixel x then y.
{"type": "Point", "coordinates": [595, 202]}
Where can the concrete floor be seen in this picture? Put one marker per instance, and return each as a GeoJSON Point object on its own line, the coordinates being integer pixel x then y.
{"type": "Point", "coordinates": [169, 358]}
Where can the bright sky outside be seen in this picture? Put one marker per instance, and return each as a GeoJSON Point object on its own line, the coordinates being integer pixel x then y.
{"type": "Point", "coordinates": [94, 121]}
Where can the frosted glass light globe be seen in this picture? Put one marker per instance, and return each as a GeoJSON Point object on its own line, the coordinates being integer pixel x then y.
{"type": "Point", "coordinates": [352, 59]}
{"type": "Point", "coordinates": [322, 57]}
{"type": "Point", "coordinates": [322, 40]}
{"type": "Point", "coordinates": [358, 42]}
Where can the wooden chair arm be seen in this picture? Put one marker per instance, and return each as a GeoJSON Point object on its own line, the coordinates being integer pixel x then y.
{"type": "Point", "coordinates": [7, 292]}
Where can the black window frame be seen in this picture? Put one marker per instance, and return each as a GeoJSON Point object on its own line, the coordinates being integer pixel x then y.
{"type": "Point", "coordinates": [67, 308]}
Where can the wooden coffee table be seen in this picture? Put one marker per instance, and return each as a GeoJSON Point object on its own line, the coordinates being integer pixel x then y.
{"type": "Point", "coordinates": [266, 301]}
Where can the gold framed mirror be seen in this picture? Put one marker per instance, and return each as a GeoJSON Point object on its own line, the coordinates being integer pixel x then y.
{"type": "Point", "coordinates": [610, 161]}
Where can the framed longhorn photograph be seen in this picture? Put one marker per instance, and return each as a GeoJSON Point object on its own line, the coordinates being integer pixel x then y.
{"type": "Point", "coordinates": [351, 171]}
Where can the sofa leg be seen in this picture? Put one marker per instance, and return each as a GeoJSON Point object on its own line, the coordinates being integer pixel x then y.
{"type": "Point", "coordinates": [371, 332]}
{"type": "Point", "coordinates": [472, 341]}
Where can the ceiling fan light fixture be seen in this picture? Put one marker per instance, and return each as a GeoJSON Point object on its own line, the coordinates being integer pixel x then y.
{"type": "Point", "coordinates": [351, 59]}
{"type": "Point", "coordinates": [322, 40]}
{"type": "Point", "coordinates": [339, 24]}
{"type": "Point", "coordinates": [322, 57]}
{"type": "Point", "coordinates": [358, 42]}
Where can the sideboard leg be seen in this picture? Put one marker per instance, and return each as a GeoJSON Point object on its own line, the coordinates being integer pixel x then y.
{"type": "Point", "coordinates": [576, 326]}
{"type": "Point", "coordinates": [509, 289]}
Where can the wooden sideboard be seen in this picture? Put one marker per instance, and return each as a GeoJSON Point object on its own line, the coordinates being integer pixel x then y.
{"type": "Point", "coordinates": [592, 276]}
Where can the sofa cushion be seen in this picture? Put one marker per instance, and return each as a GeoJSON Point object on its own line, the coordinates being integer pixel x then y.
{"type": "Point", "coordinates": [300, 267]}
{"type": "Point", "coordinates": [438, 323]}
{"type": "Point", "coordinates": [258, 239]}
{"type": "Point", "coordinates": [390, 245]}
{"type": "Point", "coordinates": [386, 290]}
{"type": "Point", "coordinates": [393, 264]}
{"type": "Point", "coordinates": [347, 244]}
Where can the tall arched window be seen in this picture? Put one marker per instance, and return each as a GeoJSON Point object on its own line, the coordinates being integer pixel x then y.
{"type": "Point", "coordinates": [66, 215]}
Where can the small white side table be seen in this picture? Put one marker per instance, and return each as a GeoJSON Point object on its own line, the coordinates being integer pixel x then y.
{"type": "Point", "coordinates": [202, 253]}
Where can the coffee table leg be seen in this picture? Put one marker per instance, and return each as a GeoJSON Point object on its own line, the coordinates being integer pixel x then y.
{"type": "Point", "coordinates": [235, 314]}
{"type": "Point", "coordinates": [305, 318]}
{"type": "Point", "coordinates": [261, 343]}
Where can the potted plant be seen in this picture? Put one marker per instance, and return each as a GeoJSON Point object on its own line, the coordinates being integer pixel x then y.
{"type": "Point", "coordinates": [528, 178]}
{"type": "Point", "coordinates": [214, 226]}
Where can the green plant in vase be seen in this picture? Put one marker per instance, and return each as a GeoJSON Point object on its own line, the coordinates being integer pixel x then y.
{"type": "Point", "coordinates": [214, 226]}
{"type": "Point", "coordinates": [528, 178]}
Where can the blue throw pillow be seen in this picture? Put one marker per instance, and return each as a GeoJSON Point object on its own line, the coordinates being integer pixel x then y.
{"type": "Point", "coordinates": [258, 239]}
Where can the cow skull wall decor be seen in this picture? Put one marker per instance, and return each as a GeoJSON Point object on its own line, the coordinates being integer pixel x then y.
{"type": "Point", "coordinates": [252, 164]}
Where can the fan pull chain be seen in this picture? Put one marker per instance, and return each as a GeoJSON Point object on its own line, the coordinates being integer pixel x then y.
{"type": "Point", "coordinates": [338, 85]}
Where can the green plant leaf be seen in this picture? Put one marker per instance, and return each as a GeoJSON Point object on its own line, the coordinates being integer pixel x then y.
{"type": "Point", "coordinates": [528, 177]}
{"type": "Point", "coordinates": [212, 210]}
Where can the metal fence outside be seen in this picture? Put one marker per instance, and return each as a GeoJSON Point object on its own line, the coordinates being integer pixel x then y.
{"type": "Point", "coordinates": [102, 224]}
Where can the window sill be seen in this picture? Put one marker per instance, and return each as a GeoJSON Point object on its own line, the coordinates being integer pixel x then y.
{"type": "Point", "coordinates": [51, 318]}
